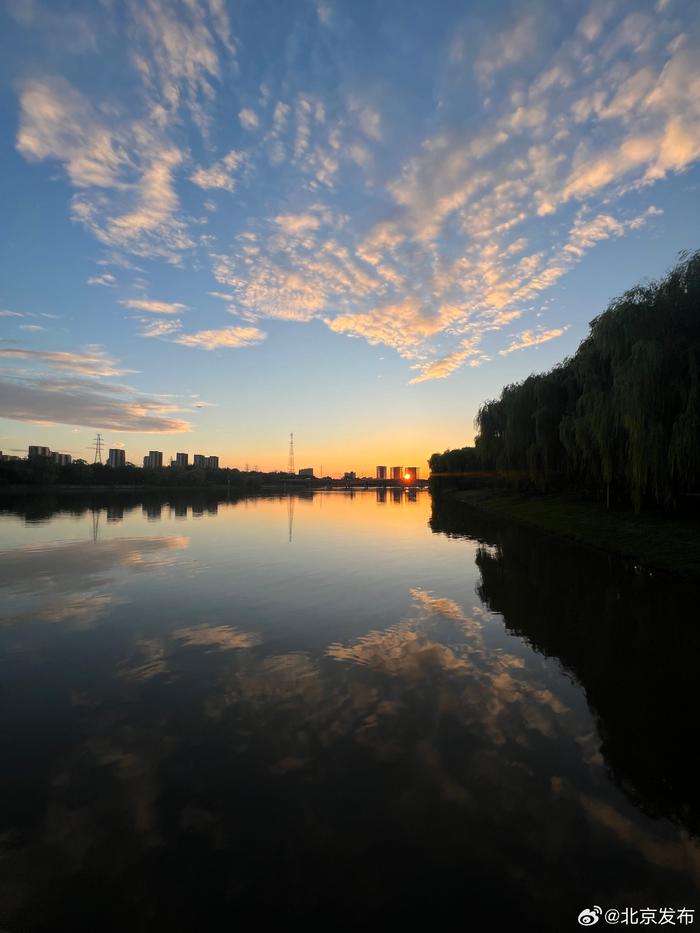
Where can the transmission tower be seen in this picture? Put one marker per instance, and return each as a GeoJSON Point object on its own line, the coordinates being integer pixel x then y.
{"type": "Point", "coordinates": [98, 449]}
{"type": "Point", "coordinates": [290, 464]}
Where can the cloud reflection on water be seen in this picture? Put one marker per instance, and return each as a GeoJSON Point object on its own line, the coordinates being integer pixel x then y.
{"type": "Point", "coordinates": [75, 581]}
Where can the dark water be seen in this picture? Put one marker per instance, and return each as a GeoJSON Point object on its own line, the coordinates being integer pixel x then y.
{"type": "Point", "coordinates": [353, 710]}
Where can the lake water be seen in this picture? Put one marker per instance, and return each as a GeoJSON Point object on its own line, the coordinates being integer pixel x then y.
{"type": "Point", "coordinates": [353, 709]}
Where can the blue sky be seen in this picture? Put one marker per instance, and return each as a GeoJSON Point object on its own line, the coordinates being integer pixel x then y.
{"type": "Point", "coordinates": [353, 220]}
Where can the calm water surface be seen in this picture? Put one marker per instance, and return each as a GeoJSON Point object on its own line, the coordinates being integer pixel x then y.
{"type": "Point", "coordinates": [353, 709]}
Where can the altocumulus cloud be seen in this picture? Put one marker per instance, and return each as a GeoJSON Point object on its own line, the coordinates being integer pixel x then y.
{"type": "Point", "coordinates": [226, 337]}
{"type": "Point", "coordinates": [480, 212]}
{"type": "Point", "coordinates": [153, 307]}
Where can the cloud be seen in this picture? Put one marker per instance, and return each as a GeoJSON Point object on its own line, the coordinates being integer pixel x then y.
{"type": "Point", "coordinates": [65, 29]}
{"type": "Point", "coordinates": [249, 119]}
{"type": "Point", "coordinates": [294, 277]}
{"type": "Point", "coordinates": [226, 337]}
{"type": "Point", "coordinates": [123, 170]}
{"type": "Point", "coordinates": [175, 53]}
{"type": "Point", "coordinates": [220, 174]}
{"type": "Point", "coordinates": [297, 223]}
{"type": "Point", "coordinates": [46, 399]}
{"type": "Point", "coordinates": [94, 361]}
{"type": "Point", "coordinates": [368, 117]}
{"type": "Point", "coordinates": [324, 11]}
{"type": "Point", "coordinates": [532, 338]}
{"type": "Point", "coordinates": [444, 367]}
{"type": "Point", "coordinates": [6, 313]}
{"type": "Point", "coordinates": [454, 224]}
{"type": "Point", "coordinates": [57, 122]}
{"type": "Point", "coordinates": [153, 307]}
{"type": "Point", "coordinates": [404, 326]}
{"type": "Point", "coordinates": [151, 227]}
{"type": "Point", "coordinates": [592, 24]}
{"type": "Point", "coordinates": [107, 280]}
{"type": "Point", "coordinates": [31, 327]}
{"type": "Point", "coordinates": [506, 49]}
{"type": "Point", "coordinates": [159, 327]}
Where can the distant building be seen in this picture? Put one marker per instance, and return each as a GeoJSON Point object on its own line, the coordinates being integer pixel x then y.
{"type": "Point", "coordinates": [7, 457]}
{"type": "Point", "coordinates": [307, 472]}
{"type": "Point", "coordinates": [182, 460]}
{"type": "Point", "coordinates": [199, 460]}
{"type": "Point", "coordinates": [117, 457]}
{"type": "Point", "coordinates": [350, 476]}
{"type": "Point", "coordinates": [410, 474]}
{"type": "Point", "coordinates": [155, 459]}
{"type": "Point", "coordinates": [212, 463]}
{"type": "Point", "coordinates": [381, 472]}
{"type": "Point", "coordinates": [61, 459]}
{"type": "Point", "coordinates": [35, 451]}
{"type": "Point", "coordinates": [397, 474]}
{"type": "Point", "coordinates": [147, 462]}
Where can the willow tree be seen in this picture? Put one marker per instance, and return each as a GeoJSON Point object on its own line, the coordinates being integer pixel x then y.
{"type": "Point", "coordinates": [623, 412]}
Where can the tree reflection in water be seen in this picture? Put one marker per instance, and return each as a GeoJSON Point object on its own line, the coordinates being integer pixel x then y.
{"type": "Point", "coordinates": [630, 638]}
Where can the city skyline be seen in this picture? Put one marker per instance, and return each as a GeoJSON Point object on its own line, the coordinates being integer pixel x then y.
{"type": "Point", "coordinates": [356, 221]}
{"type": "Point", "coordinates": [117, 456]}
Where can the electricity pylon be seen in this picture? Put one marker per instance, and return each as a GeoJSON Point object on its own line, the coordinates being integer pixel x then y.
{"type": "Point", "coordinates": [290, 464]}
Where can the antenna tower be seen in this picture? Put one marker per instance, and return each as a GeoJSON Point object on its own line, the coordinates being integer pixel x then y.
{"type": "Point", "coordinates": [98, 449]}
{"type": "Point", "coordinates": [290, 464]}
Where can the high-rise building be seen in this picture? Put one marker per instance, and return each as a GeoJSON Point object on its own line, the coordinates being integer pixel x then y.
{"type": "Point", "coordinates": [61, 459]}
{"type": "Point", "coordinates": [117, 457]}
{"type": "Point", "coordinates": [199, 460]}
{"type": "Point", "coordinates": [397, 474]}
{"type": "Point", "coordinates": [350, 476]}
{"type": "Point", "coordinates": [307, 472]}
{"type": "Point", "coordinates": [182, 460]}
{"type": "Point", "coordinates": [381, 472]}
{"type": "Point", "coordinates": [146, 462]}
{"type": "Point", "coordinates": [35, 451]}
{"type": "Point", "coordinates": [155, 458]}
{"type": "Point", "coordinates": [212, 463]}
{"type": "Point", "coordinates": [410, 474]}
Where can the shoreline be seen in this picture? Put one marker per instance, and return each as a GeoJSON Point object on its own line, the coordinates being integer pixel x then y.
{"type": "Point", "coordinates": [656, 540]}
{"type": "Point", "coordinates": [136, 487]}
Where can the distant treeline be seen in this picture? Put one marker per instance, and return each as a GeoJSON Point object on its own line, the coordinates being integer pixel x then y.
{"type": "Point", "coordinates": [622, 415]}
{"type": "Point", "coordinates": [42, 471]}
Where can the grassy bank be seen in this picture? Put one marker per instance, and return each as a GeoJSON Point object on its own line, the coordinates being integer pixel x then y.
{"type": "Point", "coordinates": [654, 539]}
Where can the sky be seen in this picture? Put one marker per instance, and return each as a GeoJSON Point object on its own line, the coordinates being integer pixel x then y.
{"type": "Point", "coordinates": [353, 220]}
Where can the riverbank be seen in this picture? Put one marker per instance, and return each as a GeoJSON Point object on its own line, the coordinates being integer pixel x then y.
{"type": "Point", "coordinates": [657, 540]}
